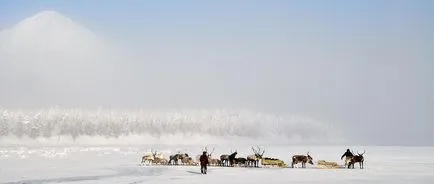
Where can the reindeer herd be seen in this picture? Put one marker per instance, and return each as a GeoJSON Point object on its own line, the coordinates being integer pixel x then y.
{"type": "Point", "coordinates": [253, 160]}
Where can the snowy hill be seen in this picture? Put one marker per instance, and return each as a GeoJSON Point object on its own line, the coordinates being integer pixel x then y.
{"type": "Point", "coordinates": [48, 33]}
{"type": "Point", "coordinates": [53, 57]}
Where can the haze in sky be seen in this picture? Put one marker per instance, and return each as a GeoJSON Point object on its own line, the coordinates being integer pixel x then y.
{"type": "Point", "coordinates": [366, 67]}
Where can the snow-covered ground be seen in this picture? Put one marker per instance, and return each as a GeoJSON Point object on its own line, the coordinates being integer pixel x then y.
{"type": "Point", "coordinates": [120, 165]}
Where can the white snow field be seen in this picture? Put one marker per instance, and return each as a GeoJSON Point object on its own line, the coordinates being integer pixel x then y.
{"type": "Point", "coordinates": [104, 146]}
{"type": "Point", "coordinates": [120, 164]}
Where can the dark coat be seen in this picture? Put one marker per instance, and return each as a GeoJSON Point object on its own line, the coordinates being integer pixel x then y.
{"type": "Point", "coordinates": [203, 160]}
{"type": "Point", "coordinates": [347, 154]}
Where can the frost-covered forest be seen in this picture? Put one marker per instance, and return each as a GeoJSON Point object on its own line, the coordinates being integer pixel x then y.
{"type": "Point", "coordinates": [114, 123]}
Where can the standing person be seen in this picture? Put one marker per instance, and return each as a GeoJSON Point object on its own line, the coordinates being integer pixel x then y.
{"type": "Point", "coordinates": [348, 155]}
{"type": "Point", "coordinates": [203, 162]}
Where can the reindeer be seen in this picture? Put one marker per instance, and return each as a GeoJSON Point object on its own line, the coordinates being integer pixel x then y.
{"type": "Point", "coordinates": [188, 161]}
{"type": "Point", "coordinates": [159, 158]}
{"type": "Point", "coordinates": [185, 159]}
{"type": "Point", "coordinates": [240, 161]}
{"type": "Point", "coordinates": [212, 161]}
{"type": "Point", "coordinates": [254, 159]}
{"type": "Point", "coordinates": [301, 158]}
{"type": "Point", "coordinates": [357, 158]}
{"type": "Point", "coordinates": [177, 157]}
{"type": "Point", "coordinates": [227, 160]}
{"type": "Point", "coordinates": [231, 158]}
{"type": "Point", "coordinates": [161, 161]}
{"type": "Point", "coordinates": [148, 158]}
{"type": "Point", "coordinates": [224, 160]}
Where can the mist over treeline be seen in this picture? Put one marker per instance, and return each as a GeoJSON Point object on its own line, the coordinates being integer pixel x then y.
{"type": "Point", "coordinates": [359, 84]}
{"type": "Point", "coordinates": [217, 123]}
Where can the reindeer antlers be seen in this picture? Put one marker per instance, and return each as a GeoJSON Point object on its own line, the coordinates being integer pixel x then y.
{"type": "Point", "coordinates": [153, 152]}
{"type": "Point", "coordinates": [263, 151]}
{"type": "Point", "coordinates": [212, 151]}
{"type": "Point", "coordinates": [362, 153]}
{"type": "Point", "coordinates": [206, 149]}
{"type": "Point", "coordinates": [258, 151]}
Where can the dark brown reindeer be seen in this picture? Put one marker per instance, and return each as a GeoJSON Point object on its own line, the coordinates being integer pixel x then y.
{"type": "Point", "coordinates": [254, 159]}
{"type": "Point", "coordinates": [240, 161]}
{"type": "Point", "coordinates": [176, 157]}
{"type": "Point", "coordinates": [357, 159]}
{"type": "Point", "coordinates": [231, 158]}
{"type": "Point", "coordinates": [301, 159]}
{"type": "Point", "coordinates": [226, 160]}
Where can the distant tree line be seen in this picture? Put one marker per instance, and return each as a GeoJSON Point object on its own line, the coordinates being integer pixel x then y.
{"type": "Point", "coordinates": [76, 123]}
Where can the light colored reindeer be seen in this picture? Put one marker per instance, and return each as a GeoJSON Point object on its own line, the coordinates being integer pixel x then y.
{"type": "Point", "coordinates": [212, 161]}
{"type": "Point", "coordinates": [159, 158]}
{"type": "Point", "coordinates": [188, 161]}
{"type": "Point", "coordinates": [148, 158]}
{"type": "Point", "coordinates": [256, 157]}
{"type": "Point", "coordinates": [153, 157]}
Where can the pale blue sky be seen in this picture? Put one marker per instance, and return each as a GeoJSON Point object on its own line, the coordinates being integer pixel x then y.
{"type": "Point", "coordinates": [365, 65]}
{"type": "Point", "coordinates": [339, 13]}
